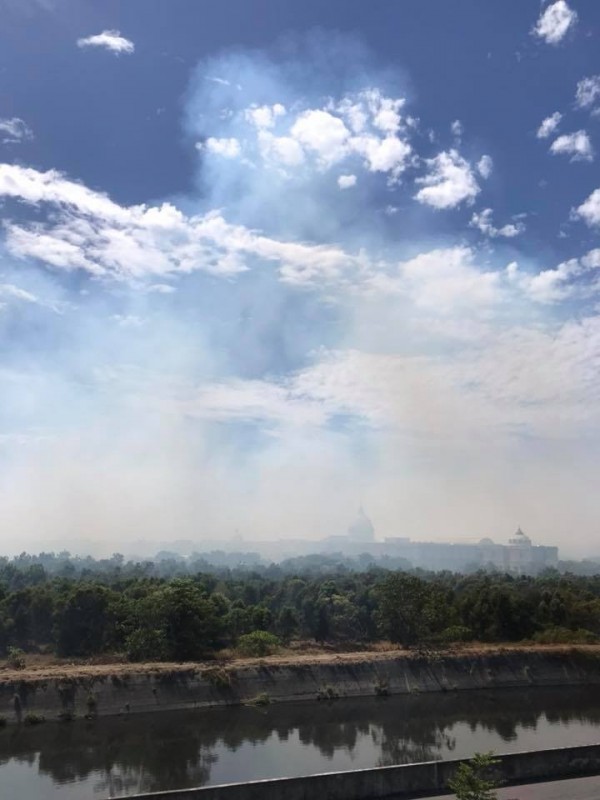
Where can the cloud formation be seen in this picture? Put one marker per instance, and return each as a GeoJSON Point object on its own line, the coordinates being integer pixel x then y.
{"type": "Point", "coordinates": [14, 131]}
{"type": "Point", "coordinates": [449, 182]}
{"type": "Point", "coordinates": [269, 335]}
{"type": "Point", "coordinates": [483, 222]}
{"type": "Point", "coordinates": [588, 92]}
{"type": "Point", "coordinates": [549, 125]}
{"type": "Point", "coordinates": [365, 128]}
{"type": "Point", "coordinates": [577, 145]}
{"type": "Point", "coordinates": [589, 210]}
{"type": "Point", "coordinates": [109, 40]}
{"type": "Point", "coordinates": [555, 22]}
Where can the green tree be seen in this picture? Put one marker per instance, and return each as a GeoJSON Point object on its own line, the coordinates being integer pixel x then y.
{"type": "Point", "coordinates": [287, 623]}
{"type": "Point", "coordinates": [258, 644]}
{"type": "Point", "coordinates": [411, 610]}
{"type": "Point", "coordinates": [84, 624]}
{"type": "Point", "coordinates": [474, 780]}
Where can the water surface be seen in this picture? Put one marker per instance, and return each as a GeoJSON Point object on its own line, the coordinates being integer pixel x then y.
{"type": "Point", "coordinates": [153, 752]}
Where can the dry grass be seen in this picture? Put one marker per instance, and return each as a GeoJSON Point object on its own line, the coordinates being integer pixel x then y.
{"type": "Point", "coordinates": [46, 667]}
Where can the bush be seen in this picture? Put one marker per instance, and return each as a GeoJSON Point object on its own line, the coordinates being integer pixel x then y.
{"type": "Point", "coordinates": [146, 644]}
{"type": "Point", "coordinates": [218, 677]}
{"type": "Point", "coordinates": [565, 636]}
{"type": "Point", "coordinates": [34, 719]}
{"type": "Point", "coordinates": [262, 699]}
{"type": "Point", "coordinates": [258, 643]}
{"type": "Point", "coordinates": [2, 722]}
{"type": "Point", "coordinates": [474, 780]}
{"type": "Point", "coordinates": [456, 633]}
{"type": "Point", "coordinates": [16, 658]}
{"type": "Point", "coordinates": [327, 692]}
{"type": "Point", "coordinates": [92, 705]}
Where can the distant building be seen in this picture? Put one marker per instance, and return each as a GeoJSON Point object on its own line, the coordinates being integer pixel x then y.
{"type": "Point", "coordinates": [362, 529]}
{"type": "Point", "coordinates": [519, 556]}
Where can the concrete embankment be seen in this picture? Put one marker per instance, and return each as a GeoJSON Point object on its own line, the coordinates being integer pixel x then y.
{"type": "Point", "coordinates": [404, 781]}
{"type": "Point", "coordinates": [106, 692]}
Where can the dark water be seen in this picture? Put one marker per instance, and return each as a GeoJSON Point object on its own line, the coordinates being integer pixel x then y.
{"type": "Point", "coordinates": [151, 752]}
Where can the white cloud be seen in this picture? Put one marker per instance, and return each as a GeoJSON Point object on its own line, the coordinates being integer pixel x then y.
{"type": "Point", "coordinates": [514, 380]}
{"type": "Point", "coordinates": [265, 116]}
{"type": "Point", "coordinates": [549, 125]}
{"type": "Point", "coordinates": [457, 128]}
{"type": "Point", "coordinates": [555, 22]}
{"type": "Point", "coordinates": [591, 260]}
{"type": "Point", "coordinates": [110, 40]}
{"type": "Point", "coordinates": [346, 181]}
{"type": "Point", "coordinates": [14, 130]}
{"type": "Point", "coordinates": [9, 292]}
{"type": "Point", "coordinates": [485, 166]}
{"type": "Point", "coordinates": [560, 283]}
{"type": "Point", "coordinates": [282, 150]}
{"type": "Point", "coordinates": [449, 183]}
{"type": "Point", "coordinates": [14, 292]}
{"type": "Point", "coordinates": [228, 148]}
{"type": "Point", "coordinates": [128, 320]}
{"type": "Point", "coordinates": [385, 111]}
{"type": "Point", "coordinates": [442, 281]}
{"type": "Point", "coordinates": [588, 92]}
{"type": "Point", "coordinates": [552, 285]}
{"type": "Point", "coordinates": [382, 155]}
{"type": "Point", "coordinates": [367, 124]}
{"type": "Point", "coordinates": [160, 288]}
{"type": "Point", "coordinates": [589, 210]}
{"type": "Point", "coordinates": [483, 222]}
{"type": "Point", "coordinates": [35, 187]}
{"type": "Point", "coordinates": [577, 145]}
{"type": "Point", "coordinates": [88, 231]}
{"type": "Point", "coordinates": [324, 134]}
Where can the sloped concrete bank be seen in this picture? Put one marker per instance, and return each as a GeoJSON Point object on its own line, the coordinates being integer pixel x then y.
{"type": "Point", "coordinates": [197, 686]}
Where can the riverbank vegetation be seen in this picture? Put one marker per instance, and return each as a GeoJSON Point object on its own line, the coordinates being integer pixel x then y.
{"type": "Point", "coordinates": [53, 604]}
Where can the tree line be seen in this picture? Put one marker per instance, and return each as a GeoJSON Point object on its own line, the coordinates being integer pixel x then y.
{"type": "Point", "coordinates": [113, 607]}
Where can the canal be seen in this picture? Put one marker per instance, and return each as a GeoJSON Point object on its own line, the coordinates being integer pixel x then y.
{"type": "Point", "coordinates": [152, 752]}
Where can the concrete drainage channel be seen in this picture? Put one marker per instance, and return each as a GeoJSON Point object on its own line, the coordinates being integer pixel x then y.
{"type": "Point", "coordinates": [403, 781]}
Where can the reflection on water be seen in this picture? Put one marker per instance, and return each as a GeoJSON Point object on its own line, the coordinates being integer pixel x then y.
{"type": "Point", "coordinates": [114, 756]}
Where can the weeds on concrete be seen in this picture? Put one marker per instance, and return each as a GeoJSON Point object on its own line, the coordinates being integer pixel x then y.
{"type": "Point", "coordinates": [33, 719]}
{"type": "Point", "coordinates": [262, 699]}
{"type": "Point", "coordinates": [328, 692]}
{"type": "Point", "coordinates": [217, 677]}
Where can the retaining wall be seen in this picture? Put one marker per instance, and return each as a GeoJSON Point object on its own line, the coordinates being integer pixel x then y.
{"type": "Point", "coordinates": [405, 781]}
{"type": "Point", "coordinates": [196, 686]}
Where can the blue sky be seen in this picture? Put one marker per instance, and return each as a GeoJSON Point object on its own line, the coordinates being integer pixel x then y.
{"type": "Point", "coordinates": [261, 262]}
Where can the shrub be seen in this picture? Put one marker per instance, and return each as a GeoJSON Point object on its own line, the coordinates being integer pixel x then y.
{"type": "Point", "coordinates": [456, 633]}
{"type": "Point", "coordinates": [565, 636]}
{"type": "Point", "coordinates": [382, 689]}
{"type": "Point", "coordinates": [146, 644]}
{"type": "Point", "coordinates": [327, 692]}
{"type": "Point", "coordinates": [258, 643]}
{"type": "Point", "coordinates": [92, 705]}
{"type": "Point", "coordinates": [218, 677]}
{"type": "Point", "coordinates": [262, 699]}
{"type": "Point", "coordinates": [34, 719]}
{"type": "Point", "coordinates": [474, 780]}
{"type": "Point", "coordinates": [2, 722]}
{"type": "Point", "coordinates": [16, 658]}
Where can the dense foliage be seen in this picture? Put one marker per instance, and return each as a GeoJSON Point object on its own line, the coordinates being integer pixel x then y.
{"type": "Point", "coordinates": [83, 608]}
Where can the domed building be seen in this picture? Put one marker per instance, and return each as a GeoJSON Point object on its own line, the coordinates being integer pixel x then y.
{"type": "Point", "coordinates": [525, 558]}
{"type": "Point", "coordinates": [520, 539]}
{"type": "Point", "coordinates": [362, 529]}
